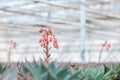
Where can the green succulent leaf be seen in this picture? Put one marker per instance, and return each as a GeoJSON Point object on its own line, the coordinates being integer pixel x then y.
{"type": "Point", "coordinates": [75, 76]}
{"type": "Point", "coordinates": [116, 68]}
{"type": "Point", "coordinates": [10, 73]}
{"type": "Point", "coordinates": [62, 72]}
{"type": "Point", "coordinates": [109, 75]}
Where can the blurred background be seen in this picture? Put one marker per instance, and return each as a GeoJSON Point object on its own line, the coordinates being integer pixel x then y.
{"type": "Point", "coordinates": [81, 27]}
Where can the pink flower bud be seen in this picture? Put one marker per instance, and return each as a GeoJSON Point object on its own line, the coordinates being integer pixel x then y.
{"type": "Point", "coordinates": [14, 44]}
{"type": "Point", "coordinates": [50, 39]}
{"type": "Point", "coordinates": [50, 31]}
{"type": "Point", "coordinates": [45, 38]}
{"type": "Point", "coordinates": [41, 30]}
{"type": "Point", "coordinates": [55, 40]}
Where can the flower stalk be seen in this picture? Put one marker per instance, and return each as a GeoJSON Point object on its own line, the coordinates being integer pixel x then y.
{"type": "Point", "coordinates": [107, 45]}
{"type": "Point", "coordinates": [13, 46]}
{"type": "Point", "coordinates": [46, 39]}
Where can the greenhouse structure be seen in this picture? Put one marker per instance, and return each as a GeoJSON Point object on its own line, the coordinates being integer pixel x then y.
{"type": "Point", "coordinates": [80, 26]}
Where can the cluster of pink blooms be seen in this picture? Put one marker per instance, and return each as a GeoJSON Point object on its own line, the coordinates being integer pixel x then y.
{"type": "Point", "coordinates": [13, 44]}
{"type": "Point", "coordinates": [47, 37]}
{"type": "Point", "coordinates": [107, 45]}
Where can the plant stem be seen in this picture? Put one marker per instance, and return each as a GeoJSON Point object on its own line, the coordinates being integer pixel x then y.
{"type": "Point", "coordinates": [9, 54]}
{"type": "Point", "coordinates": [100, 54]}
{"type": "Point", "coordinates": [47, 55]}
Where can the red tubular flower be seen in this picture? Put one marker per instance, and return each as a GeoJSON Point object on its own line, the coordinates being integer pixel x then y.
{"type": "Point", "coordinates": [14, 44]}
{"type": "Point", "coordinates": [55, 45]}
{"type": "Point", "coordinates": [55, 40]}
{"type": "Point", "coordinates": [50, 39]}
{"type": "Point", "coordinates": [104, 43]}
{"type": "Point", "coordinates": [42, 44]}
{"type": "Point", "coordinates": [40, 40]}
{"type": "Point", "coordinates": [45, 38]}
{"type": "Point", "coordinates": [50, 31]}
{"type": "Point", "coordinates": [108, 46]}
{"type": "Point", "coordinates": [41, 30]}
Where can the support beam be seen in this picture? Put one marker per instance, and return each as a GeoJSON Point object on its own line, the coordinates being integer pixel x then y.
{"type": "Point", "coordinates": [82, 30]}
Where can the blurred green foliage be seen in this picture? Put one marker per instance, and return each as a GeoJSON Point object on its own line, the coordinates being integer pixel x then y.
{"type": "Point", "coordinates": [57, 71]}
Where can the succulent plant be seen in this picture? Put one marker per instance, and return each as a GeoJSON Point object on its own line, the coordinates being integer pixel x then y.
{"type": "Point", "coordinates": [57, 71]}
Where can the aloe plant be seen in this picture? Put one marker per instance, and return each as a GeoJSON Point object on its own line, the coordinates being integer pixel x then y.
{"type": "Point", "coordinates": [45, 71]}
{"type": "Point", "coordinates": [56, 71]}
